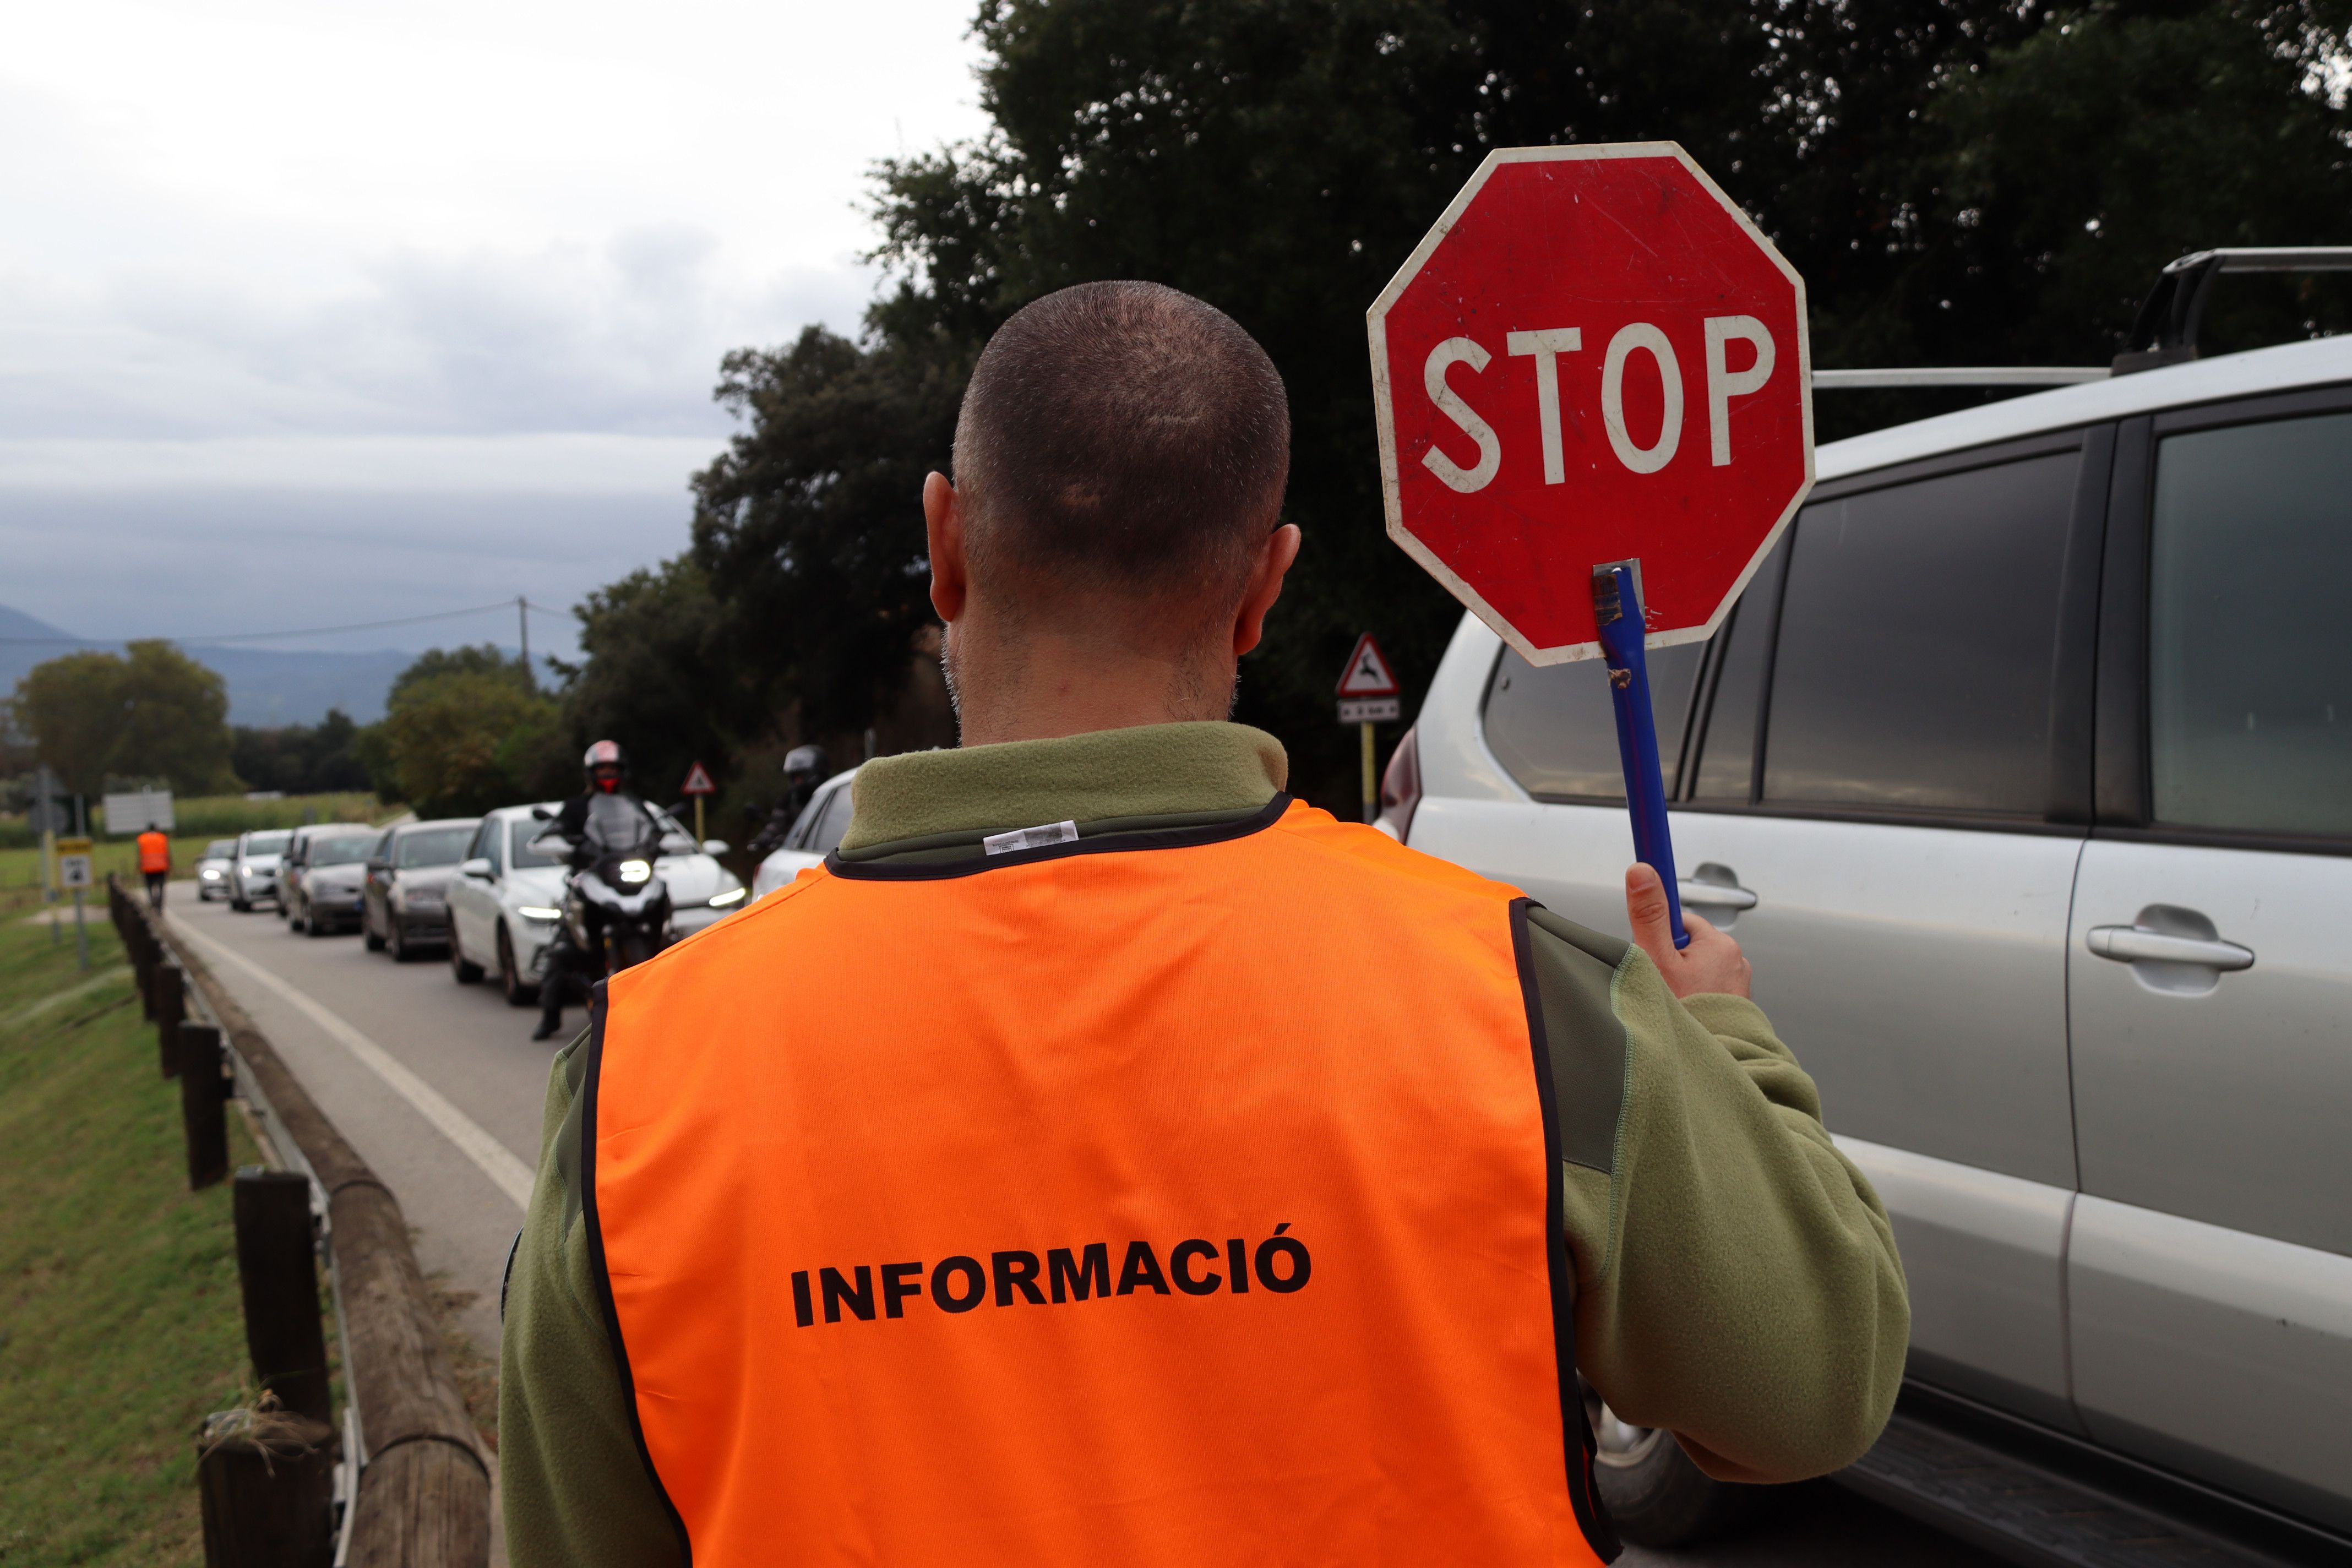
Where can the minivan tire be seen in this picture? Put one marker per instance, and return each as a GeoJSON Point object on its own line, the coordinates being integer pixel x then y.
{"type": "Point", "coordinates": [1657, 1497]}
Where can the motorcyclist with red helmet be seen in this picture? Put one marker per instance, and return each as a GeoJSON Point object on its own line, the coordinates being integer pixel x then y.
{"type": "Point", "coordinates": [606, 770]}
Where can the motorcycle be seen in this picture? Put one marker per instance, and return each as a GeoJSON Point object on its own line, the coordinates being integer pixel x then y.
{"type": "Point", "coordinates": [616, 908]}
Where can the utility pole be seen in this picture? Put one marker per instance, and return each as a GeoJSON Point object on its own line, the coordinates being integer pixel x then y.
{"type": "Point", "coordinates": [522, 618]}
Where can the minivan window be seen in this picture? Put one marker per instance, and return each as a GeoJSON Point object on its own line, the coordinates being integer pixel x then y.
{"type": "Point", "coordinates": [1554, 729]}
{"type": "Point", "coordinates": [1916, 639]}
{"type": "Point", "coordinates": [1726, 757]}
{"type": "Point", "coordinates": [832, 825]}
{"type": "Point", "coordinates": [2249, 646]}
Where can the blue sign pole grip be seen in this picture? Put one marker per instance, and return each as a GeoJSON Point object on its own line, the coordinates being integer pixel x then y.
{"type": "Point", "coordinates": [1617, 606]}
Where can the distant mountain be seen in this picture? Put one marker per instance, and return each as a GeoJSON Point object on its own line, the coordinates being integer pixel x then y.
{"type": "Point", "coordinates": [265, 686]}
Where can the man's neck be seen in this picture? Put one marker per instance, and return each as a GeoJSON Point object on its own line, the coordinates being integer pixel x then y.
{"type": "Point", "coordinates": [1046, 686]}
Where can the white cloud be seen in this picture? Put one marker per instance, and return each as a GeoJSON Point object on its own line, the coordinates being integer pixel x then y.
{"type": "Point", "coordinates": [265, 217]}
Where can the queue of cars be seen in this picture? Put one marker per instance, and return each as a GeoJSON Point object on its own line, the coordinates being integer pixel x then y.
{"type": "Point", "coordinates": [478, 888]}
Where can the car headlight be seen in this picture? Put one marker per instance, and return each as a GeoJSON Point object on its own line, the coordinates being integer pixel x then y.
{"type": "Point", "coordinates": [733, 895]}
{"type": "Point", "coordinates": [539, 912]}
{"type": "Point", "coordinates": [636, 871]}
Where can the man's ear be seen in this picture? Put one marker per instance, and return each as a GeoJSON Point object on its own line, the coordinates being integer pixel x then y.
{"type": "Point", "coordinates": [1281, 548]}
{"type": "Point", "coordinates": [943, 526]}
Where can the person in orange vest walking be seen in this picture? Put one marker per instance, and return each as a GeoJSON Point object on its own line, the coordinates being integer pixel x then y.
{"type": "Point", "coordinates": [1108, 1158]}
{"type": "Point", "coordinates": [155, 863]}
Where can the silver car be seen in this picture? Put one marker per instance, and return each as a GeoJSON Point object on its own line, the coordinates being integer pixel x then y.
{"type": "Point", "coordinates": [2023, 773]}
{"type": "Point", "coordinates": [253, 868]}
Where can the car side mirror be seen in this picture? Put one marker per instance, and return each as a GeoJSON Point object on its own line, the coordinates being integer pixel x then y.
{"type": "Point", "coordinates": [541, 814]}
{"type": "Point", "coordinates": [477, 868]}
{"type": "Point", "coordinates": [714, 847]}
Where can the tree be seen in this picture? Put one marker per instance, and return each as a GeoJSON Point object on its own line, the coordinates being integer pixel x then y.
{"type": "Point", "coordinates": [464, 732]}
{"type": "Point", "coordinates": [809, 529]}
{"type": "Point", "coordinates": [149, 712]}
{"type": "Point", "coordinates": [483, 659]}
{"type": "Point", "coordinates": [301, 758]}
{"type": "Point", "coordinates": [663, 676]}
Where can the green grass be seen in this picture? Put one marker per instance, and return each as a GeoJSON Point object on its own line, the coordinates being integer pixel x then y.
{"type": "Point", "coordinates": [119, 1320]}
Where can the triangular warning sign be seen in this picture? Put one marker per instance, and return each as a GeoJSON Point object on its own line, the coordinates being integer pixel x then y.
{"type": "Point", "coordinates": [698, 781]}
{"type": "Point", "coordinates": [1368, 671]}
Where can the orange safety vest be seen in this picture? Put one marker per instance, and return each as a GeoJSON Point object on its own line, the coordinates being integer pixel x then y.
{"type": "Point", "coordinates": [154, 853]}
{"type": "Point", "coordinates": [1185, 1197]}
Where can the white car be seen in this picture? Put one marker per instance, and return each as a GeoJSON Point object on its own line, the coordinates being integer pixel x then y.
{"type": "Point", "coordinates": [212, 871]}
{"type": "Point", "coordinates": [816, 833]}
{"type": "Point", "coordinates": [507, 898]}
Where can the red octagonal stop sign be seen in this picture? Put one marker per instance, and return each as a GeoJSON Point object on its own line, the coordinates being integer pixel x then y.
{"type": "Point", "coordinates": [1594, 356]}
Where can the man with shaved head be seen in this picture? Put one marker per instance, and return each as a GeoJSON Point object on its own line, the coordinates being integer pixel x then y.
{"type": "Point", "coordinates": [1105, 1158]}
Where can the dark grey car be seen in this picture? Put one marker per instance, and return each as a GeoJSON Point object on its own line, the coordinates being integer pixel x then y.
{"type": "Point", "coordinates": [405, 904]}
{"type": "Point", "coordinates": [318, 882]}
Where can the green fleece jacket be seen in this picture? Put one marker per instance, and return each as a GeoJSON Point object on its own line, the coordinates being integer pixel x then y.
{"type": "Point", "coordinates": [1736, 1278]}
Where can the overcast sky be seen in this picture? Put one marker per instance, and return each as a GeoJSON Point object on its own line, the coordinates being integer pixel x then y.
{"type": "Point", "coordinates": [326, 312]}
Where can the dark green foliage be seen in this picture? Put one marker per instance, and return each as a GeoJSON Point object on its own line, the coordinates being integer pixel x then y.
{"type": "Point", "coordinates": [301, 758]}
{"type": "Point", "coordinates": [663, 676]}
{"type": "Point", "coordinates": [151, 712]}
{"type": "Point", "coordinates": [485, 658]}
{"type": "Point", "coordinates": [809, 529]}
{"type": "Point", "coordinates": [467, 731]}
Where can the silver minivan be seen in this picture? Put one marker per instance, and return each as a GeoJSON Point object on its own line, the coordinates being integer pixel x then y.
{"type": "Point", "coordinates": [2023, 773]}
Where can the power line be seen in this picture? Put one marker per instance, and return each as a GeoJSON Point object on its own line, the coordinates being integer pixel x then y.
{"type": "Point", "coordinates": [502, 604]}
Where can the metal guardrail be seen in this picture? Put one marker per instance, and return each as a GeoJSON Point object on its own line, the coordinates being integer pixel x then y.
{"type": "Point", "coordinates": [421, 1497]}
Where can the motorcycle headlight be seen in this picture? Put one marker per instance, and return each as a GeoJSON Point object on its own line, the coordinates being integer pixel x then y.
{"type": "Point", "coordinates": [733, 895]}
{"type": "Point", "coordinates": [636, 871]}
{"type": "Point", "coordinates": [535, 913]}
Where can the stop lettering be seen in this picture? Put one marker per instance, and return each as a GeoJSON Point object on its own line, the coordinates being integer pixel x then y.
{"type": "Point", "coordinates": [1594, 356]}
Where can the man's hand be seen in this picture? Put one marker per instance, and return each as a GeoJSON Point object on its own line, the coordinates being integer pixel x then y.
{"type": "Point", "coordinates": [1712, 962]}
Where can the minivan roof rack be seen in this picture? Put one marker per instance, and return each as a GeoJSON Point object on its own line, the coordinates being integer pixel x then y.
{"type": "Point", "coordinates": [2165, 330]}
{"type": "Point", "coordinates": [1961, 375]}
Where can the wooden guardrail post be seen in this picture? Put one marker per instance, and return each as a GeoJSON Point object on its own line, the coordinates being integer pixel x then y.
{"type": "Point", "coordinates": [277, 1268]}
{"type": "Point", "coordinates": [424, 1496]}
{"type": "Point", "coordinates": [171, 1010]}
{"type": "Point", "coordinates": [204, 1103]}
{"type": "Point", "coordinates": [267, 1481]}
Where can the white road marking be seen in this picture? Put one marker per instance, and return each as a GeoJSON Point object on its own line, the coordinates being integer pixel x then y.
{"type": "Point", "coordinates": [496, 1162]}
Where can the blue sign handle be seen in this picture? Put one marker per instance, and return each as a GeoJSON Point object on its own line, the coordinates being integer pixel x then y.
{"type": "Point", "coordinates": [1617, 604]}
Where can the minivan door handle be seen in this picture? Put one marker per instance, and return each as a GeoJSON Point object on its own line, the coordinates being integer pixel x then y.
{"type": "Point", "coordinates": [1713, 887]}
{"type": "Point", "coordinates": [2137, 944]}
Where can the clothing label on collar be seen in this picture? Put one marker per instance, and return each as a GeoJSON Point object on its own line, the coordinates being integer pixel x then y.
{"type": "Point", "coordinates": [1030, 837]}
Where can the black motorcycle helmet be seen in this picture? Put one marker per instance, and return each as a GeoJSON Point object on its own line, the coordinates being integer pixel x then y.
{"type": "Point", "coordinates": [606, 765]}
{"type": "Point", "coordinates": [806, 764]}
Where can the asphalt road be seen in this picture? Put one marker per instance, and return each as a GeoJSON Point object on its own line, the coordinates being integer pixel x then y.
{"type": "Point", "coordinates": [439, 1087]}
